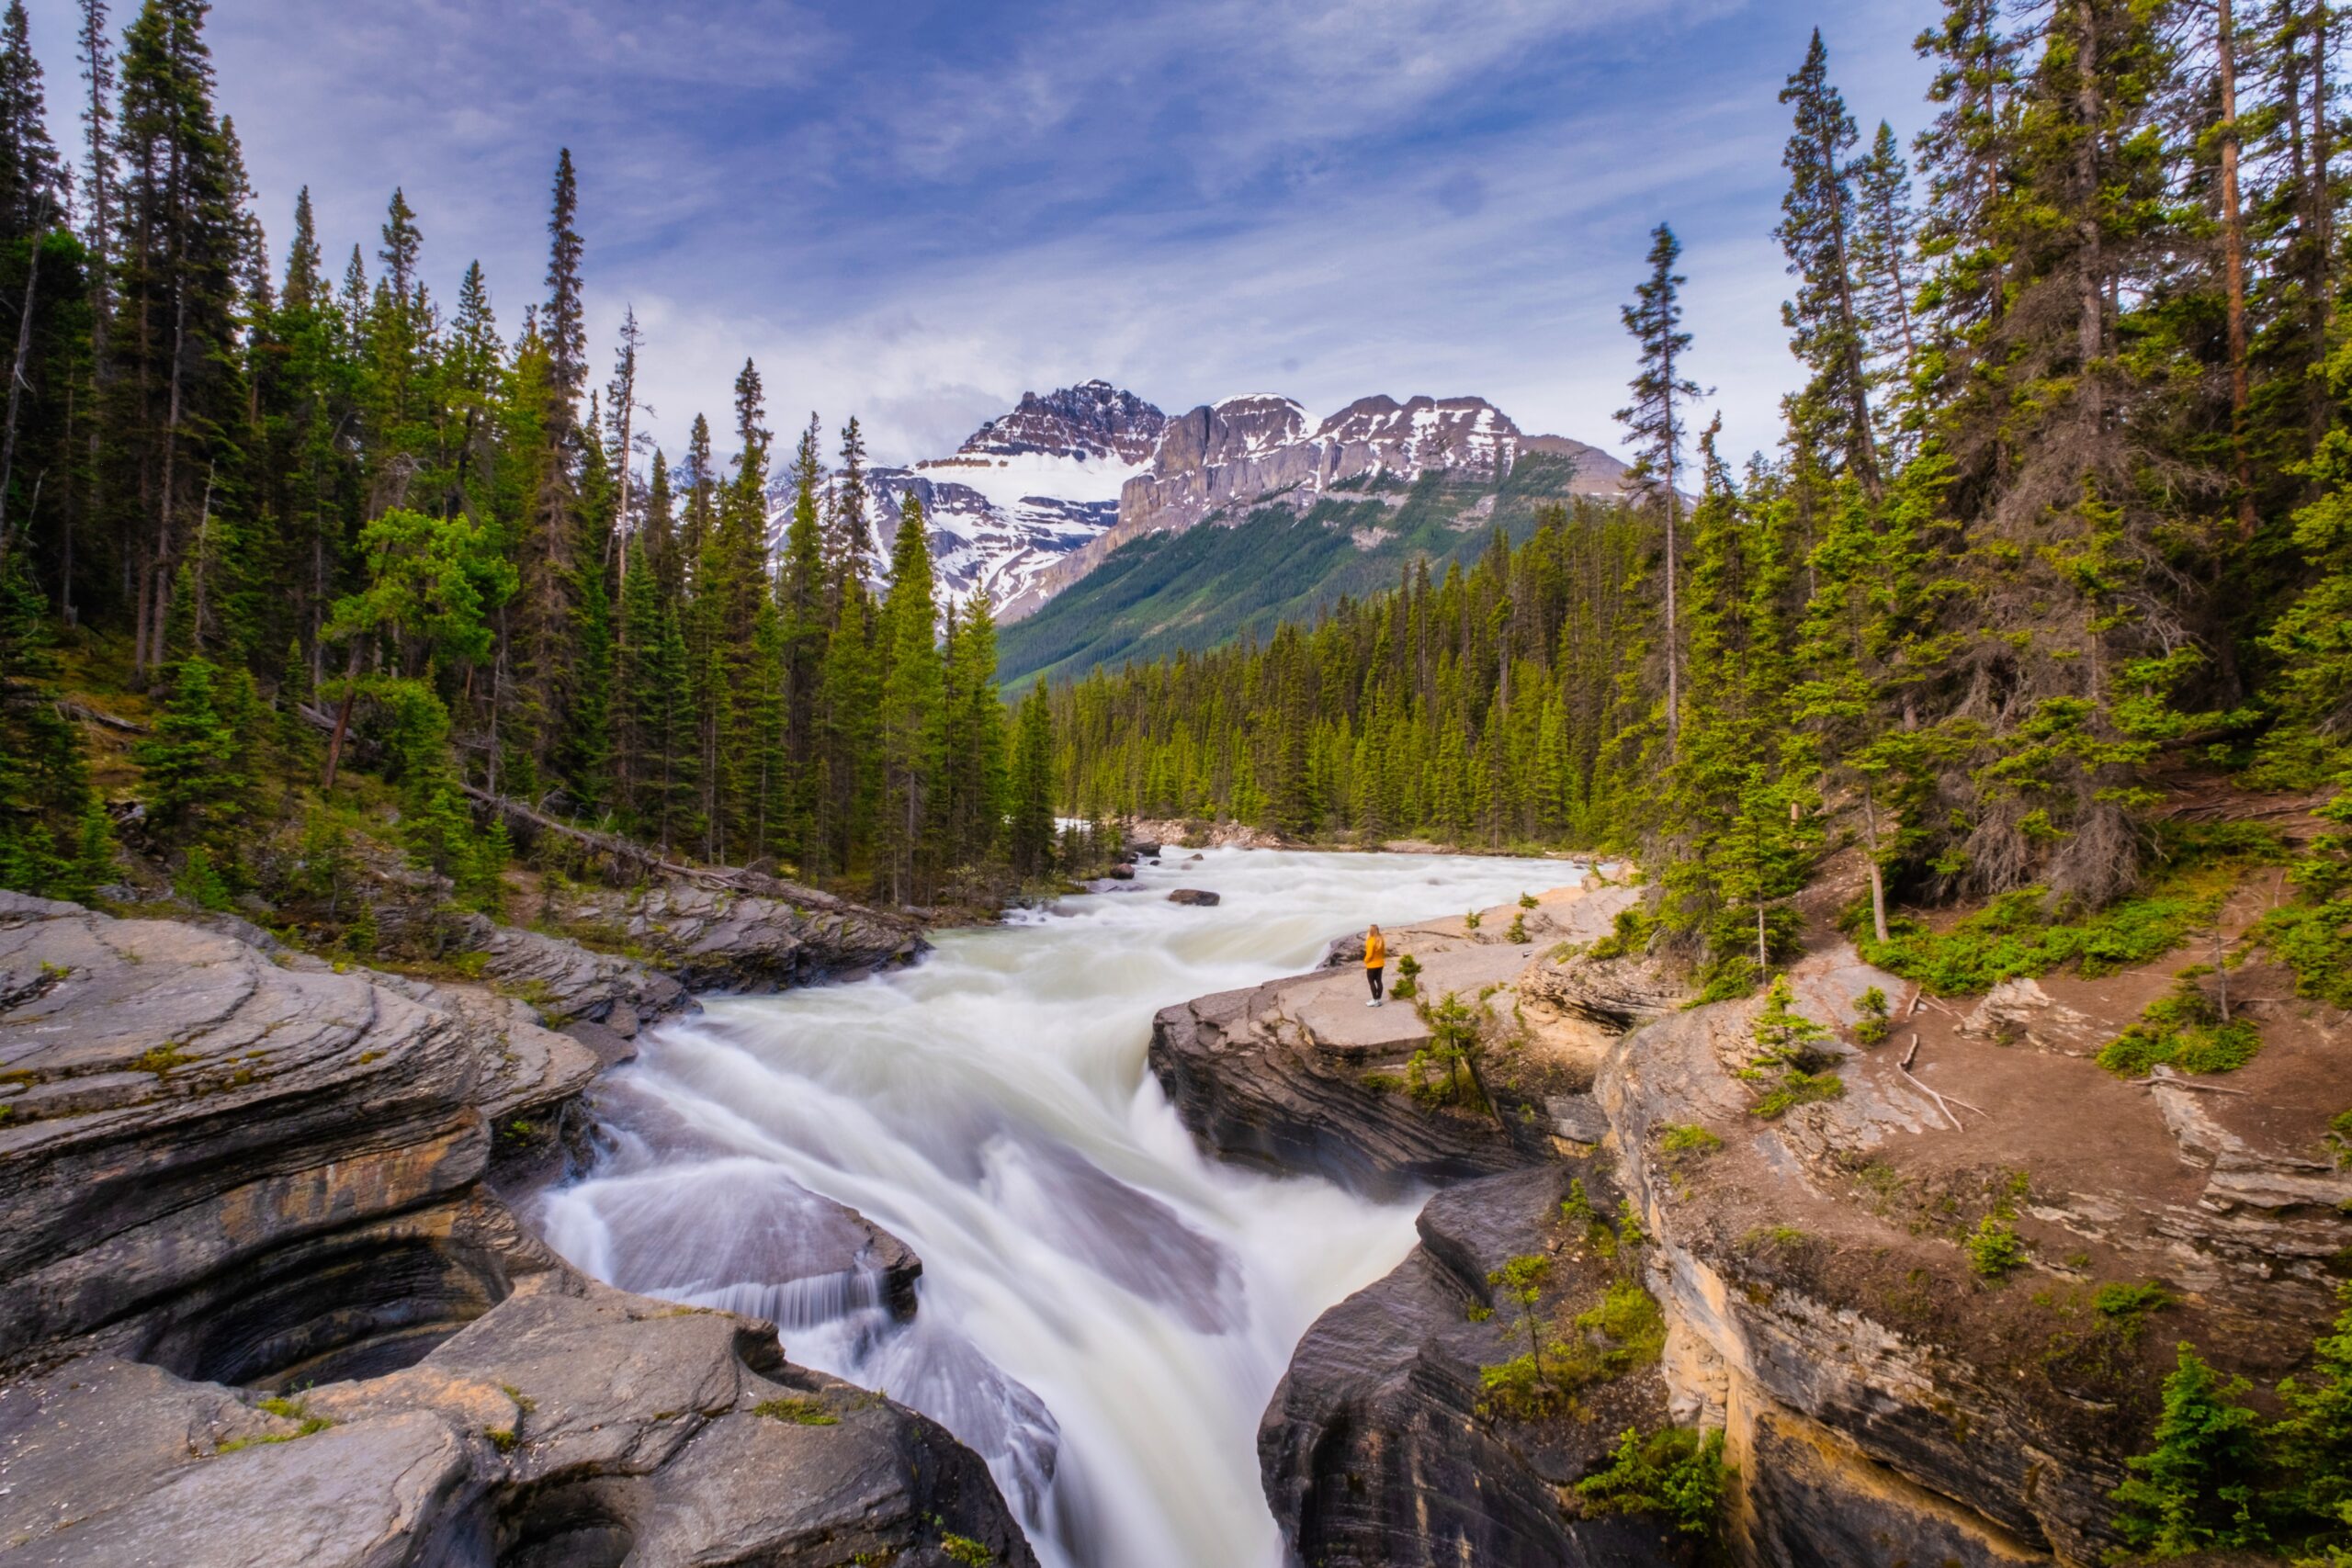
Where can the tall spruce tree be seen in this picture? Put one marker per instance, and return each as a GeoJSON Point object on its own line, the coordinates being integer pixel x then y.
{"type": "Point", "coordinates": [1656, 419]}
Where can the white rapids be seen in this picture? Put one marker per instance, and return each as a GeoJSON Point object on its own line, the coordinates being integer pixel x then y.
{"type": "Point", "coordinates": [1103, 1313]}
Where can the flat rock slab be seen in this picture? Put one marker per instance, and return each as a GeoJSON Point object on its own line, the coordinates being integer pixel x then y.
{"type": "Point", "coordinates": [572, 1425]}
{"type": "Point", "coordinates": [1330, 1006]}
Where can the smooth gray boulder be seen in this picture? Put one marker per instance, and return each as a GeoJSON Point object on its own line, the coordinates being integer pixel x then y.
{"type": "Point", "coordinates": [572, 1425]}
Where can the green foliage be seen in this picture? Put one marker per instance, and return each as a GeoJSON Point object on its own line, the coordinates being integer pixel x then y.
{"type": "Point", "coordinates": [1629, 933]}
{"type": "Point", "coordinates": [1681, 1141]}
{"type": "Point", "coordinates": [1456, 1042]}
{"type": "Point", "coordinates": [200, 883]}
{"type": "Point", "coordinates": [1677, 1473]}
{"type": "Point", "coordinates": [1408, 979]}
{"type": "Point", "coordinates": [2184, 1029]}
{"type": "Point", "coordinates": [2339, 1138]}
{"type": "Point", "coordinates": [191, 762]}
{"type": "Point", "coordinates": [1787, 1061]}
{"type": "Point", "coordinates": [1630, 1324]}
{"type": "Point", "coordinates": [2128, 1306]}
{"type": "Point", "coordinates": [1470, 921]}
{"type": "Point", "coordinates": [964, 1549]}
{"type": "Point", "coordinates": [1994, 1250]}
{"type": "Point", "coordinates": [1528, 901]}
{"type": "Point", "coordinates": [796, 1411]}
{"type": "Point", "coordinates": [1517, 934]}
{"type": "Point", "coordinates": [2311, 1441]}
{"type": "Point", "coordinates": [1872, 1026]}
{"type": "Point", "coordinates": [2196, 1490]}
{"type": "Point", "coordinates": [2014, 937]}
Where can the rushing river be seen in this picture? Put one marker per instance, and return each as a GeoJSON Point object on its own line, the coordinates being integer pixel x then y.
{"type": "Point", "coordinates": [1103, 1313]}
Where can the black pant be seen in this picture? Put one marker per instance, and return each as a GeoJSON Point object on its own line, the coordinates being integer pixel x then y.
{"type": "Point", "coordinates": [1374, 976]}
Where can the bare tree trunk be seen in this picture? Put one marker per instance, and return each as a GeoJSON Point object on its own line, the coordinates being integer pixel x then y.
{"type": "Point", "coordinates": [1877, 877]}
{"type": "Point", "coordinates": [2233, 265]}
{"type": "Point", "coordinates": [343, 716]}
{"type": "Point", "coordinates": [17, 385]}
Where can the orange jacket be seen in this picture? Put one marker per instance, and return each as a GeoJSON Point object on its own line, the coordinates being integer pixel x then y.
{"type": "Point", "coordinates": [1376, 952]}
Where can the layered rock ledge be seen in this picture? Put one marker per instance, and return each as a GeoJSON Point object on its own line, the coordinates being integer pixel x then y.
{"type": "Point", "coordinates": [1885, 1395]}
{"type": "Point", "coordinates": [265, 1306]}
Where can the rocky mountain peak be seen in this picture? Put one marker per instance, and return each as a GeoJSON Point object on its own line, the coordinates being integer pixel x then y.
{"type": "Point", "coordinates": [1425, 432]}
{"type": "Point", "coordinates": [1090, 422]}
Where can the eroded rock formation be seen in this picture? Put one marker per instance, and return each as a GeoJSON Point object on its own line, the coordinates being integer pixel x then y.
{"type": "Point", "coordinates": [264, 1305]}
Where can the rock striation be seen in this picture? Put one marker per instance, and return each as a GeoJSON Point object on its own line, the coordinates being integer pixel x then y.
{"type": "Point", "coordinates": [1376, 1448]}
{"type": "Point", "coordinates": [1260, 1088]}
{"type": "Point", "coordinates": [262, 1294]}
{"type": "Point", "coordinates": [751, 934]}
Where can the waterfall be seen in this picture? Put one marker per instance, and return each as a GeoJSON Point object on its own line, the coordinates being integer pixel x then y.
{"type": "Point", "coordinates": [1103, 1314]}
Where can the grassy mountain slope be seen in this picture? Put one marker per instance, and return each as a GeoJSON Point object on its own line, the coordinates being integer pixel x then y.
{"type": "Point", "coordinates": [1213, 583]}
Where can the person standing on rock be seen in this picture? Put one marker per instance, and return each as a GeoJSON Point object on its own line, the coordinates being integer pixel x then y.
{"type": "Point", "coordinates": [1376, 962]}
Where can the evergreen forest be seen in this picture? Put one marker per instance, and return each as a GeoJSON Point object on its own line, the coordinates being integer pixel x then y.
{"type": "Point", "coordinates": [364, 561]}
{"type": "Point", "coordinates": [2059, 532]}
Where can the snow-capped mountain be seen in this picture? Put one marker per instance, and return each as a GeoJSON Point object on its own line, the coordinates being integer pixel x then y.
{"type": "Point", "coordinates": [1234, 457]}
{"type": "Point", "coordinates": [1026, 490]}
{"type": "Point", "coordinates": [1036, 498]}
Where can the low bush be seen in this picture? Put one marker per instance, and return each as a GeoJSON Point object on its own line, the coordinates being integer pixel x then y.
{"type": "Point", "coordinates": [1677, 1473]}
{"type": "Point", "coordinates": [1994, 1250]}
{"type": "Point", "coordinates": [2183, 1028]}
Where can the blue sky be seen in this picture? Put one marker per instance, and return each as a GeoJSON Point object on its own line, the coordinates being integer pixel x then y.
{"type": "Point", "coordinates": [915, 211]}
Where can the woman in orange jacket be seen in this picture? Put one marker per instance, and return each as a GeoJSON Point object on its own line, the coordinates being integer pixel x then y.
{"type": "Point", "coordinates": [1376, 962]}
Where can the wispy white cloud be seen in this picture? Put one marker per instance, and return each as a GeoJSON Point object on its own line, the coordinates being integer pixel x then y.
{"type": "Point", "coordinates": [915, 211]}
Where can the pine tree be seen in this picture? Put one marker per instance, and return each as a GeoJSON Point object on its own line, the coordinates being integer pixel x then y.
{"type": "Point", "coordinates": [1030, 832]}
{"type": "Point", "coordinates": [1655, 421]}
{"type": "Point", "coordinates": [1817, 231]}
{"type": "Point", "coordinates": [563, 321]}
{"type": "Point", "coordinates": [2196, 1491]}
{"type": "Point", "coordinates": [913, 707]}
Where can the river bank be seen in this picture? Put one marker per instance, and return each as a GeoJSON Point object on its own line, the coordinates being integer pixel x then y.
{"type": "Point", "coordinates": [1929, 1304]}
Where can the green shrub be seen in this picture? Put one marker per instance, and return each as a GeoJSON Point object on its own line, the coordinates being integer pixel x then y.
{"type": "Point", "coordinates": [1677, 1473]}
{"type": "Point", "coordinates": [2014, 936]}
{"type": "Point", "coordinates": [1632, 1324]}
{"type": "Point", "coordinates": [1630, 933]}
{"type": "Point", "coordinates": [200, 883]}
{"type": "Point", "coordinates": [1470, 921]}
{"type": "Point", "coordinates": [1517, 934]}
{"type": "Point", "coordinates": [1408, 979]}
{"type": "Point", "coordinates": [1873, 1025]}
{"type": "Point", "coordinates": [2128, 1307]}
{"type": "Point", "coordinates": [2339, 1139]}
{"type": "Point", "coordinates": [1527, 900]}
{"type": "Point", "coordinates": [2184, 1029]}
{"type": "Point", "coordinates": [1453, 1048]}
{"type": "Point", "coordinates": [1520, 1389]}
{"type": "Point", "coordinates": [2314, 940]}
{"type": "Point", "coordinates": [1994, 1250]}
{"type": "Point", "coordinates": [2195, 1491]}
{"type": "Point", "coordinates": [1788, 1060]}
{"type": "Point", "coordinates": [964, 1549]}
{"type": "Point", "coordinates": [1687, 1140]}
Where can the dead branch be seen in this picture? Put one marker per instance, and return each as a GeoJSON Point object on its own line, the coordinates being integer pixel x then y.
{"type": "Point", "coordinates": [87, 714]}
{"type": "Point", "coordinates": [1939, 1099]}
{"type": "Point", "coordinates": [2170, 1082]}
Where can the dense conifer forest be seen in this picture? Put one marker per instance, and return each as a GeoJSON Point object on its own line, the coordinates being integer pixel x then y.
{"type": "Point", "coordinates": [371, 556]}
{"type": "Point", "coordinates": [2061, 526]}
{"type": "Point", "coordinates": [2058, 527]}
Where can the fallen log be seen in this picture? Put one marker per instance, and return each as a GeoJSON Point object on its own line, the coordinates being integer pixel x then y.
{"type": "Point", "coordinates": [628, 852]}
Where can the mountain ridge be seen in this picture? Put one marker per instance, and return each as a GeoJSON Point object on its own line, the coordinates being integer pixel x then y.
{"type": "Point", "coordinates": [1038, 497]}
